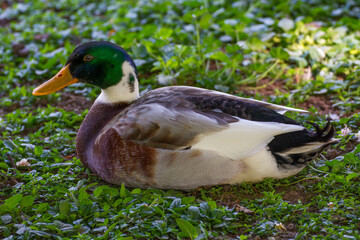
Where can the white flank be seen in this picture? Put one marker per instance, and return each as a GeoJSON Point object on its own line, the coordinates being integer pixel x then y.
{"type": "Point", "coordinates": [244, 138]}
{"type": "Point", "coordinates": [262, 165]}
{"type": "Point", "coordinates": [194, 168]}
{"type": "Point", "coordinates": [121, 92]}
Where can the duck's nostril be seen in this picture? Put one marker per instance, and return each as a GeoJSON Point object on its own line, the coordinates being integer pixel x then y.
{"type": "Point", "coordinates": [60, 75]}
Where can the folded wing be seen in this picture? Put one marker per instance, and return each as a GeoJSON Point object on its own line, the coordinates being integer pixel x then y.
{"type": "Point", "coordinates": [180, 118]}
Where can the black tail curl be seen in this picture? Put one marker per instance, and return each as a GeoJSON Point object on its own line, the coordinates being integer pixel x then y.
{"type": "Point", "coordinates": [300, 138]}
{"type": "Point", "coordinates": [324, 134]}
{"type": "Point", "coordinates": [284, 142]}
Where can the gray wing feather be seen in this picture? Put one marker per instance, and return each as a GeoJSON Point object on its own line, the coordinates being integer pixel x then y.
{"type": "Point", "coordinates": [179, 128]}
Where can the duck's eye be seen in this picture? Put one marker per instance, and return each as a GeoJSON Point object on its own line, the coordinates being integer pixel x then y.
{"type": "Point", "coordinates": [88, 58]}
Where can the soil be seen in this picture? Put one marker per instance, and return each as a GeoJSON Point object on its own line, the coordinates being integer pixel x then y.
{"type": "Point", "coordinates": [74, 103]}
{"type": "Point", "coordinates": [68, 102]}
{"type": "Point", "coordinates": [231, 198]}
{"type": "Point", "coordinates": [332, 153]}
{"type": "Point", "coordinates": [291, 193]}
{"type": "Point", "coordinates": [320, 102]}
{"type": "Point", "coordinates": [266, 88]}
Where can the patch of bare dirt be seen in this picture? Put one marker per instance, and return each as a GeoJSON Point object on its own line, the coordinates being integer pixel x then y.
{"type": "Point", "coordinates": [289, 232]}
{"type": "Point", "coordinates": [20, 50]}
{"type": "Point", "coordinates": [320, 102]}
{"type": "Point", "coordinates": [68, 102]}
{"type": "Point", "coordinates": [294, 195]}
{"type": "Point", "coordinates": [266, 87]}
{"type": "Point", "coordinates": [231, 198]}
{"type": "Point", "coordinates": [74, 103]}
{"type": "Point", "coordinates": [332, 153]}
{"type": "Point", "coordinates": [4, 22]}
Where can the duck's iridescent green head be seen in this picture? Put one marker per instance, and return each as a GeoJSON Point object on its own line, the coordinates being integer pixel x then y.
{"type": "Point", "coordinates": [99, 63]}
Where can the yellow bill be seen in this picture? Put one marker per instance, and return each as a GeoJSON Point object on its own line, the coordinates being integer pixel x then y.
{"type": "Point", "coordinates": [59, 81]}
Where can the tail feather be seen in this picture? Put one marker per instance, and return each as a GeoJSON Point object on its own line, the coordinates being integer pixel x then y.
{"type": "Point", "coordinates": [324, 134]}
{"type": "Point", "coordinates": [297, 149]}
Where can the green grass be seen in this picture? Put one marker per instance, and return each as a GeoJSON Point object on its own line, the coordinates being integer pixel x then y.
{"type": "Point", "coordinates": [250, 48]}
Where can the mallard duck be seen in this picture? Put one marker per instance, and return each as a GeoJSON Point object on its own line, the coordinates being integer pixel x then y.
{"type": "Point", "coordinates": [179, 137]}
